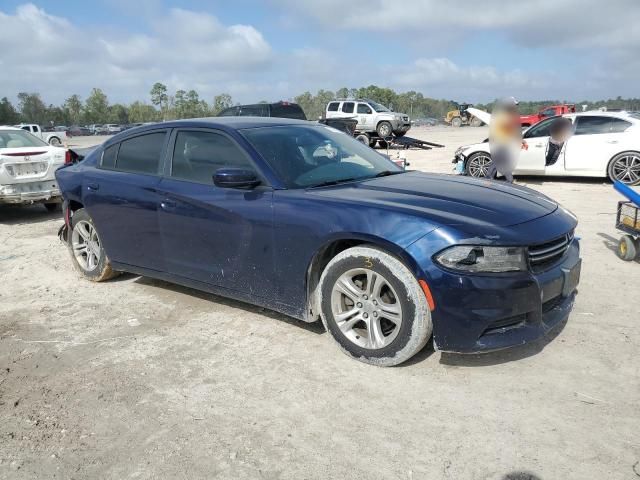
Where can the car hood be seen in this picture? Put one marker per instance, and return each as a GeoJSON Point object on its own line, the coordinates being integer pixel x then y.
{"type": "Point", "coordinates": [447, 199]}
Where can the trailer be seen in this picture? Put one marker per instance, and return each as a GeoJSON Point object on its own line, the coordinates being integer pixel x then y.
{"type": "Point", "coordinates": [395, 143]}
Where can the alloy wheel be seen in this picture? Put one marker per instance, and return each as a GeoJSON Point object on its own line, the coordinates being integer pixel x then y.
{"type": "Point", "coordinates": [366, 308]}
{"type": "Point", "coordinates": [626, 169]}
{"type": "Point", "coordinates": [479, 166]}
{"type": "Point", "coordinates": [86, 245]}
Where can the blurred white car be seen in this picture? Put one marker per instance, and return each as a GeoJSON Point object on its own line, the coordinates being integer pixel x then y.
{"type": "Point", "coordinates": [27, 167]}
{"type": "Point", "coordinates": [603, 144]}
{"type": "Point", "coordinates": [113, 128]}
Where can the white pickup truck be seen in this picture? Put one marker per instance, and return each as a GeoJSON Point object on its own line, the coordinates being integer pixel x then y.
{"type": "Point", "coordinates": [52, 138]}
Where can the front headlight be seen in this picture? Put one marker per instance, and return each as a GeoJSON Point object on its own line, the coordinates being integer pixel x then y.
{"type": "Point", "coordinates": [477, 259]}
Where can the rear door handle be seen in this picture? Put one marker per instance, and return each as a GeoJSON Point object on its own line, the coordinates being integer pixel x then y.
{"type": "Point", "coordinates": [612, 141]}
{"type": "Point", "coordinates": [538, 145]}
{"type": "Point", "coordinates": [93, 186]}
{"type": "Point", "coordinates": [168, 205]}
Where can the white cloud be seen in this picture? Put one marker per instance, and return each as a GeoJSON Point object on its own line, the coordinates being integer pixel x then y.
{"type": "Point", "coordinates": [51, 55]}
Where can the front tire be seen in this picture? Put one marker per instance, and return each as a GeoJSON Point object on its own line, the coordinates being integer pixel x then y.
{"type": "Point", "coordinates": [384, 129]}
{"type": "Point", "coordinates": [625, 168]}
{"type": "Point", "coordinates": [87, 253]}
{"type": "Point", "coordinates": [373, 307]}
{"type": "Point", "coordinates": [477, 165]}
{"type": "Point", "coordinates": [456, 122]}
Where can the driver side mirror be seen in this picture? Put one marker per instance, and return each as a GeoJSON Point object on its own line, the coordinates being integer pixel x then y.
{"type": "Point", "coordinates": [235, 178]}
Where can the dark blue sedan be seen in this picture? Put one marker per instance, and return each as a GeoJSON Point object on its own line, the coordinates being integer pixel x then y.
{"type": "Point", "coordinates": [300, 218]}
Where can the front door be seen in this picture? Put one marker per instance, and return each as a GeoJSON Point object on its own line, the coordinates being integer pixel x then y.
{"type": "Point", "coordinates": [532, 159]}
{"type": "Point", "coordinates": [365, 118]}
{"type": "Point", "coordinates": [219, 236]}
{"type": "Point", "coordinates": [121, 197]}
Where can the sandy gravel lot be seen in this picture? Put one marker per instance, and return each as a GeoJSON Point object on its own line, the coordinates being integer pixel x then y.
{"type": "Point", "coordinates": [139, 379]}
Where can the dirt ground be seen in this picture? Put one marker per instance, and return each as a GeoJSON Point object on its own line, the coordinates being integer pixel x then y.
{"type": "Point", "coordinates": [139, 379]}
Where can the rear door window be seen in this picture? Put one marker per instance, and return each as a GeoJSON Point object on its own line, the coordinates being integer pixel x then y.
{"type": "Point", "coordinates": [347, 107]}
{"type": "Point", "coordinates": [197, 155]}
{"type": "Point", "coordinates": [141, 154]}
{"type": "Point", "coordinates": [592, 125]}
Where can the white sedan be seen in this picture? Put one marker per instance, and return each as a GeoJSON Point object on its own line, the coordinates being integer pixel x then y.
{"type": "Point", "coordinates": [603, 144]}
{"type": "Point", "coordinates": [27, 167]}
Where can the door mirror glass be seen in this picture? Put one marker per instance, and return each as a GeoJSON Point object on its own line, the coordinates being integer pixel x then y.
{"type": "Point", "coordinates": [235, 178]}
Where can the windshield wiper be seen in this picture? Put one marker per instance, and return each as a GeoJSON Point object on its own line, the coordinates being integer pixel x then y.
{"type": "Point", "coordinates": [328, 183]}
{"type": "Point", "coordinates": [386, 173]}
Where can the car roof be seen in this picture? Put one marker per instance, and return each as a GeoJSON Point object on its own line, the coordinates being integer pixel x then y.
{"type": "Point", "coordinates": [221, 123]}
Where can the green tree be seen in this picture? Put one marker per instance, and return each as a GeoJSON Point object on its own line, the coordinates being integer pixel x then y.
{"type": "Point", "coordinates": [118, 114]}
{"type": "Point", "coordinates": [160, 98]}
{"type": "Point", "coordinates": [8, 114]}
{"type": "Point", "coordinates": [96, 107]}
{"type": "Point", "coordinates": [342, 93]}
{"type": "Point", "coordinates": [73, 105]}
{"type": "Point", "coordinates": [140, 112]}
{"type": "Point", "coordinates": [32, 108]}
{"type": "Point", "coordinates": [221, 102]}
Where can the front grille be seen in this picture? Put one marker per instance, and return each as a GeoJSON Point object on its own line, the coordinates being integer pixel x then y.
{"type": "Point", "coordinates": [546, 254]}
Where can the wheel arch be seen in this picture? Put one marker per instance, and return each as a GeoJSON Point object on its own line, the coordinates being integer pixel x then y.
{"type": "Point", "coordinates": [333, 247]}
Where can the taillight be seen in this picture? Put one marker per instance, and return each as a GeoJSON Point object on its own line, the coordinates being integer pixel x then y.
{"type": "Point", "coordinates": [67, 157]}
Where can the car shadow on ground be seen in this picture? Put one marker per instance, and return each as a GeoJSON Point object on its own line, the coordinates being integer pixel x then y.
{"type": "Point", "coordinates": [499, 357]}
{"type": "Point", "coordinates": [538, 180]}
{"type": "Point", "coordinates": [315, 327]}
{"type": "Point", "coordinates": [26, 214]}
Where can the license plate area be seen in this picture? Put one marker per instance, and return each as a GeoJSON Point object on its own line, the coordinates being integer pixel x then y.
{"type": "Point", "coordinates": [571, 278]}
{"type": "Point", "coordinates": [23, 170]}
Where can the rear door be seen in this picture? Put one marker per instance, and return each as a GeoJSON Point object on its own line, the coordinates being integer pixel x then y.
{"type": "Point", "coordinates": [597, 138]}
{"type": "Point", "coordinates": [347, 110]}
{"type": "Point", "coordinates": [219, 236]}
{"type": "Point", "coordinates": [122, 198]}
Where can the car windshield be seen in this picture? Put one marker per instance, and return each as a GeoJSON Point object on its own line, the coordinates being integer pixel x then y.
{"type": "Point", "coordinates": [18, 139]}
{"type": "Point", "coordinates": [307, 156]}
{"type": "Point", "coordinates": [377, 107]}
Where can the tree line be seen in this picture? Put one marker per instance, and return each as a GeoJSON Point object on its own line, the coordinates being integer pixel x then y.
{"type": "Point", "coordinates": [164, 105]}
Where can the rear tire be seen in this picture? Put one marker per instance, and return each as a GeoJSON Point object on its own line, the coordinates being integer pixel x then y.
{"type": "Point", "coordinates": [87, 253]}
{"type": "Point", "coordinates": [476, 122]}
{"type": "Point", "coordinates": [625, 168]}
{"type": "Point", "coordinates": [373, 307]}
{"type": "Point", "coordinates": [55, 142]}
{"type": "Point", "coordinates": [363, 138]}
{"type": "Point", "coordinates": [627, 248]}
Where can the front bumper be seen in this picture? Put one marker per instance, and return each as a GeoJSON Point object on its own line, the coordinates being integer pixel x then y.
{"type": "Point", "coordinates": [20, 193]}
{"type": "Point", "coordinates": [483, 313]}
{"type": "Point", "coordinates": [401, 127]}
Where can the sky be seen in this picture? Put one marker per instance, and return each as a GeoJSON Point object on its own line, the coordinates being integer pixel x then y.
{"type": "Point", "coordinates": [463, 50]}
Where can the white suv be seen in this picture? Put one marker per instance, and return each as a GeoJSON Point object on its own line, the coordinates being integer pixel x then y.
{"type": "Point", "coordinates": [373, 119]}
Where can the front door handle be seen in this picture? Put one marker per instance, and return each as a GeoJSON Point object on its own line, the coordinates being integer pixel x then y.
{"type": "Point", "coordinates": [168, 205]}
{"type": "Point", "coordinates": [93, 187]}
{"type": "Point", "coordinates": [612, 141]}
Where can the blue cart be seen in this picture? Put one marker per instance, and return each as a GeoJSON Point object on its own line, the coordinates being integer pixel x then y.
{"type": "Point", "coordinates": [628, 221]}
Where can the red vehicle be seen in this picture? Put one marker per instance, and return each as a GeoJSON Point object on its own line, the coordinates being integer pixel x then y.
{"type": "Point", "coordinates": [546, 112]}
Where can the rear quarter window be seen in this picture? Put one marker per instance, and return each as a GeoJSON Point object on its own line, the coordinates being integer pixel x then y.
{"type": "Point", "coordinates": [333, 107]}
{"type": "Point", "coordinates": [109, 157]}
